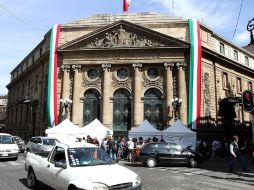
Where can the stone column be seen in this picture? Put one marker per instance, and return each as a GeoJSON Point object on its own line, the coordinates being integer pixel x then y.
{"type": "Point", "coordinates": [66, 81]}
{"type": "Point", "coordinates": [106, 95]}
{"type": "Point", "coordinates": [65, 85]}
{"type": "Point", "coordinates": [137, 106]}
{"type": "Point", "coordinates": [182, 89]}
{"type": "Point", "coordinates": [76, 97]}
{"type": "Point", "coordinates": [169, 94]}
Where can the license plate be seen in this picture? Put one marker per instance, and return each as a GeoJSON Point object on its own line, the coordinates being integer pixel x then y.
{"type": "Point", "coordinates": [5, 154]}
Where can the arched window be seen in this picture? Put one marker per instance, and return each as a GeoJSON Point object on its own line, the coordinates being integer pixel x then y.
{"type": "Point", "coordinates": [121, 111]}
{"type": "Point", "coordinates": [153, 108]}
{"type": "Point", "coordinates": [91, 109]}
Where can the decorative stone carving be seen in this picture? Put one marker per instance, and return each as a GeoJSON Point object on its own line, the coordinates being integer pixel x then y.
{"type": "Point", "coordinates": [66, 67]}
{"type": "Point", "coordinates": [122, 38]}
{"type": "Point", "coordinates": [147, 82]}
{"type": "Point", "coordinates": [74, 67]}
{"type": "Point", "coordinates": [117, 83]}
{"type": "Point", "coordinates": [106, 66]}
{"type": "Point", "coordinates": [207, 95]}
{"type": "Point", "coordinates": [137, 66]}
{"type": "Point", "coordinates": [91, 83]}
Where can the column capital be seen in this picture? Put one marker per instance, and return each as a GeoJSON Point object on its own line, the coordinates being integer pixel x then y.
{"type": "Point", "coordinates": [65, 67]}
{"type": "Point", "coordinates": [76, 67]}
{"type": "Point", "coordinates": [106, 66]}
{"type": "Point", "coordinates": [168, 65]}
{"type": "Point", "coordinates": [137, 65]}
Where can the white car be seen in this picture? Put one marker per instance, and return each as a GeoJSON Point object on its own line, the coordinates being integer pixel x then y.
{"type": "Point", "coordinates": [8, 147]}
{"type": "Point", "coordinates": [79, 167]}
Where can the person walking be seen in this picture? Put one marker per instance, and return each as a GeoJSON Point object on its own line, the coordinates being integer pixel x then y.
{"type": "Point", "coordinates": [235, 155]}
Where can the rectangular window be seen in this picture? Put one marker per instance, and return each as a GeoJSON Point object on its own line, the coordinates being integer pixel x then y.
{"type": "Point", "coordinates": [250, 86]}
{"type": "Point", "coordinates": [36, 82]}
{"type": "Point", "coordinates": [246, 61]}
{"type": "Point", "coordinates": [40, 51]}
{"type": "Point", "coordinates": [235, 55]}
{"type": "Point", "coordinates": [239, 85]}
{"type": "Point", "coordinates": [225, 81]}
{"type": "Point", "coordinates": [222, 48]}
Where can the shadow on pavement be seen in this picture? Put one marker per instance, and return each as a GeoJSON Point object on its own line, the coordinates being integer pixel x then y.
{"type": "Point", "coordinates": [40, 186]}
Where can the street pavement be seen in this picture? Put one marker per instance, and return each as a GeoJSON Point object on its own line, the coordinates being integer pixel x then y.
{"type": "Point", "coordinates": [211, 175]}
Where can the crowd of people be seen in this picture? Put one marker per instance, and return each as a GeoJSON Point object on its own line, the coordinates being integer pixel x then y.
{"type": "Point", "coordinates": [124, 148]}
{"type": "Point", "coordinates": [121, 147]}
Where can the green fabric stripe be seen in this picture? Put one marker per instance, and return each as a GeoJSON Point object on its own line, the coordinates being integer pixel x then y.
{"type": "Point", "coordinates": [50, 76]}
{"type": "Point", "coordinates": [191, 72]}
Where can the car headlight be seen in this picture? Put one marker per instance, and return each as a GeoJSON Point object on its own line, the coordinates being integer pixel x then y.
{"type": "Point", "coordinates": [99, 186]}
{"type": "Point", "coordinates": [136, 182]}
{"type": "Point", "coordinates": [15, 150]}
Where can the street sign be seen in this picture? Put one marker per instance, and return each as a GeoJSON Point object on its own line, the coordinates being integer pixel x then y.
{"type": "Point", "coordinates": [248, 101]}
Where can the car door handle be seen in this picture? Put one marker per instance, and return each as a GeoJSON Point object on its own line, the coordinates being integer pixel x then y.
{"type": "Point", "coordinates": [48, 166]}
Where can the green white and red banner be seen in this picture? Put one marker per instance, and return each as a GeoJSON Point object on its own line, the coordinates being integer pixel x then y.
{"type": "Point", "coordinates": [52, 77]}
{"type": "Point", "coordinates": [194, 75]}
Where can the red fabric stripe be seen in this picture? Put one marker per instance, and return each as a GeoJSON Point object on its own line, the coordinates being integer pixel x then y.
{"type": "Point", "coordinates": [55, 75]}
{"type": "Point", "coordinates": [125, 6]}
{"type": "Point", "coordinates": [199, 76]}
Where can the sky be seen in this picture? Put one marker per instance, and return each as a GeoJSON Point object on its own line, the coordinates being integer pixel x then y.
{"type": "Point", "coordinates": [23, 24]}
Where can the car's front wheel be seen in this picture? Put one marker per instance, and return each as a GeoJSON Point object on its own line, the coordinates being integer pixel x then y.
{"type": "Point", "coordinates": [151, 162]}
{"type": "Point", "coordinates": [31, 179]}
{"type": "Point", "coordinates": [193, 163]}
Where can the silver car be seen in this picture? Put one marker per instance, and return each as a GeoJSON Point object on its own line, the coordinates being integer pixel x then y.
{"type": "Point", "coordinates": [21, 144]}
{"type": "Point", "coordinates": [39, 144]}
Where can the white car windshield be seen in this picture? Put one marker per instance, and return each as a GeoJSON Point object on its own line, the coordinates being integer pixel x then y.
{"type": "Point", "coordinates": [5, 139]}
{"type": "Point", "coordinates": [88, 157]}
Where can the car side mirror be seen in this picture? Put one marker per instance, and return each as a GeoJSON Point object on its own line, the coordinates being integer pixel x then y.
{"type": "Point", "coordinates": [60, 165]}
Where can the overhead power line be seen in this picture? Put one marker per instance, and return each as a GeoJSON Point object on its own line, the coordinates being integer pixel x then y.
{"type": "Point", "coordinates": [19, 19]}
{"type": "Point", "coordinates": [238, 19]}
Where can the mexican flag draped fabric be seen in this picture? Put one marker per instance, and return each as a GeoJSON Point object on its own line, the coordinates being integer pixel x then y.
{"type": "Point", "coordinates": [126, 4]}
{"type": "Point", "coordinates": [194, 75]}
{"type": "Point", "coordinates": [52, 77]}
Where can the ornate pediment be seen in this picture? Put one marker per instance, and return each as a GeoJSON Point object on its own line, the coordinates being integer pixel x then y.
{"type": "Point", "coordinates": [121, 37]}
{"type": "Point", "coordinates": [123, 34]}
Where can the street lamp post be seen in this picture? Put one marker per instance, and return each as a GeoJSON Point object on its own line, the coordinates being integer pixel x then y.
{"type": "Point", "coordinates": [66, 103]}
{"type": "Point", "coordinates": [176, 103]}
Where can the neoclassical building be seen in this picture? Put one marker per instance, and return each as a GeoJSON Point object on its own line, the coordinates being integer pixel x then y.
{"type": "Point", "coordinates": [125, 68]}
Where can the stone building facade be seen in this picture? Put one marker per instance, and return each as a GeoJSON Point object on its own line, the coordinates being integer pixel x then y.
{"type": "Point", "coordinates": [125, 68]}
{"type": "Point", "coordinates": [3, 105]}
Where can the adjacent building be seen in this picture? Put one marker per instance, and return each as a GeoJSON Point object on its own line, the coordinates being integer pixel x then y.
{"type": "Point", "coordinates": [3, 105]}
{"type": "Point", "coordinates": [125, 68]}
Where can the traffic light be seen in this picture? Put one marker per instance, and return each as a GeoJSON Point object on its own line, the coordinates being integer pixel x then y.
{"type": "Point", "coordinates": [247, 100]}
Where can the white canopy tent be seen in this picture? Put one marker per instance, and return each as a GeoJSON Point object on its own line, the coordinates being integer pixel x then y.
{"type": "Point", "coordinates": [145, 130]}
{"type": "Point", "coordinates": [65, 131]}
{"type": "Point", "coordinates": [97, 129]}
{"type": "Point", "coordinates": [181, 134]}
